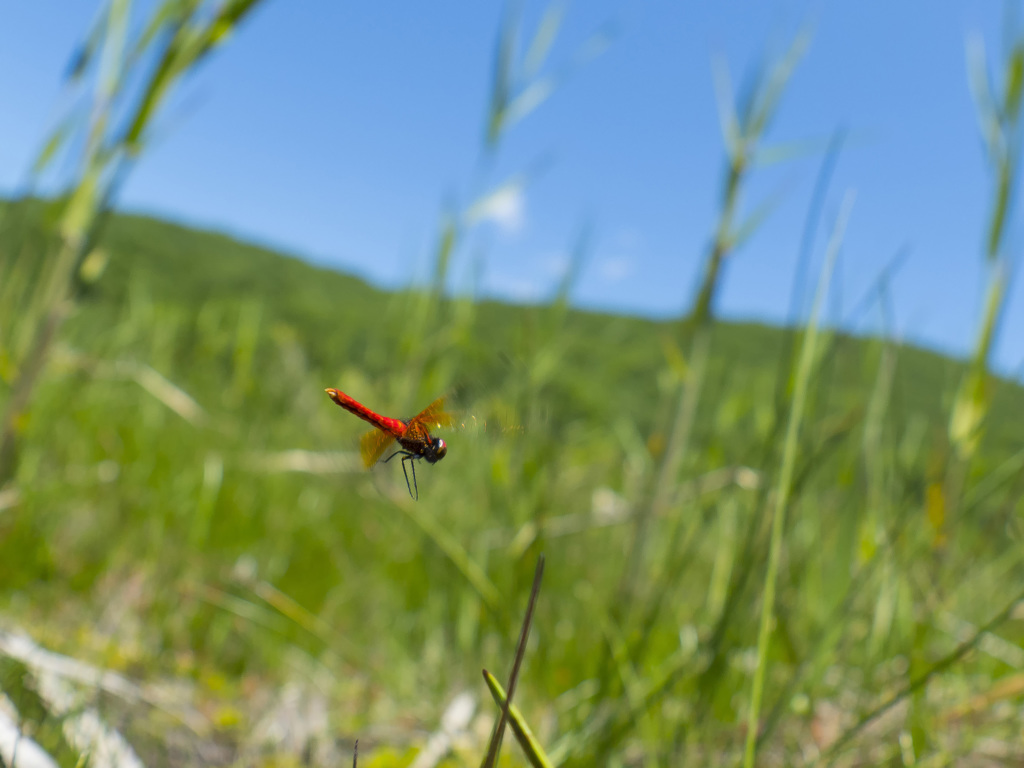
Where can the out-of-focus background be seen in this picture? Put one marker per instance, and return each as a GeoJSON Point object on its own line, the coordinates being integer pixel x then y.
{"type": "Point", "coordinates": [722, 300]}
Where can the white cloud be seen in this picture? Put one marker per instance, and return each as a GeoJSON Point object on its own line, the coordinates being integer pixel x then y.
{"type": "Point", "coordinates": [505, 207]}
{"type": "Point", "coordinates": [556, 263]}
{"type": "Point", "coordinates": [626, 244]}
{"type": "Point", "coordinates": [615, 269]}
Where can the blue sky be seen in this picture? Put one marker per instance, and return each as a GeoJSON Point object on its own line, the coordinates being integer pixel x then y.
{"type": "Point", "coordinates": [337, 131]}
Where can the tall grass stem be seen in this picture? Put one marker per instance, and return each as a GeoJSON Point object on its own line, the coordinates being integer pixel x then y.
{"type": "Point", "coordinates": [803, 379]}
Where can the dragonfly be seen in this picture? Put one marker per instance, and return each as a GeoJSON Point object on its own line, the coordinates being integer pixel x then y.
{"type": "Point", "coordinates": [413, 435]}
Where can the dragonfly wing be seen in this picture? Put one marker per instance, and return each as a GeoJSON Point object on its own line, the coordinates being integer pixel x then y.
{"type": "Point", "coordinates": [433, 416]}
{"type": "Point", "coordinates": [373, 444]}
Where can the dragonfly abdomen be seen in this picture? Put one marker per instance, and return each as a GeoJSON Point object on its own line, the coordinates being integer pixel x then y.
{"type": "Point", "coordinates": [395, 426]}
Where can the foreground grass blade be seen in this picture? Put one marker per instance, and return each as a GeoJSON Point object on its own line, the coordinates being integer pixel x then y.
{"type": "Point", "coordinates": [524, 735]}
{"type": "Point", "coordinates": [785, 484]}
{"type": "Point", "coordinates": [499, 730]}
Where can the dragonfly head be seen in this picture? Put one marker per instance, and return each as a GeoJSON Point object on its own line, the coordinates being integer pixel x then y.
{"type": "Point", "coordinates": [437, 451]}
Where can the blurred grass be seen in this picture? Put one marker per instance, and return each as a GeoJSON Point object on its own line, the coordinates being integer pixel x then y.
{"type": "Point", "coordinates": [188, 522]}
{"type": "Point", "coordinates": [185, 502]}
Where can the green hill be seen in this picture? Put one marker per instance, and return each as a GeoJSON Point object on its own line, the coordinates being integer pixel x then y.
{"type": "Point", "coordinates": [339, 318]}
{"type": "Point", "coordinates": [343, 321]}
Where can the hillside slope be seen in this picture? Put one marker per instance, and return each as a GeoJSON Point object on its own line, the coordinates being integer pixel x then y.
{"type": "Point", "coordinates": [608, 358]}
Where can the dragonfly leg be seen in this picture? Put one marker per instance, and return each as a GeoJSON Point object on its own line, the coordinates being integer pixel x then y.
{"type": "Point", "coordinates": [411, 458]}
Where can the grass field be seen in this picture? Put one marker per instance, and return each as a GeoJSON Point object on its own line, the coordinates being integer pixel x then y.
{"type": "Point", "coordinates": [817, 533]}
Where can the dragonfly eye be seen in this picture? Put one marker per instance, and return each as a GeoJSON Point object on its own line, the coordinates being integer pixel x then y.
{"type": "Point", "coordinates": [440, 449]}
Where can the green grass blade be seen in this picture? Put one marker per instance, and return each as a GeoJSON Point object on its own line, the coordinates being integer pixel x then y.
{"type": "Point", "coordinates": [494, 748]}
{"type": "Point", "coordinates": [804, 371]}
{"type": "Point", "coordinates": [524, 734]}
{"type": "Point", "coordinates": [539, 48]}
{"type": "Point", "coordinates": [503, 75]}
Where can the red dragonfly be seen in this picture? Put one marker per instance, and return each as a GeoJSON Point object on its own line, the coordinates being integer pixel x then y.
{"type": "Point", "coordinates": [413, 435]}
